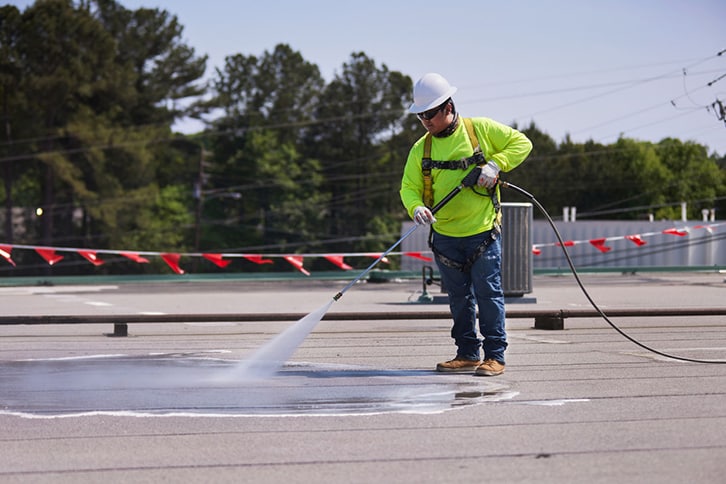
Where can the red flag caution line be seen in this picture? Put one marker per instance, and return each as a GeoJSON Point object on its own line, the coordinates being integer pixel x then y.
{"type": "Point", "coordinates": [52, 255]}
{"type": "Point", "coordinates": [173, 260]}
{"type": "Point", "coordinates": [637, 239]}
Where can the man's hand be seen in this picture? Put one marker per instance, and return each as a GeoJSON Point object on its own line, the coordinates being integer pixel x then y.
{"type": "Point", "coordinates": [489, 175]}
{"type": "Point", "coordinates": [423, 216]}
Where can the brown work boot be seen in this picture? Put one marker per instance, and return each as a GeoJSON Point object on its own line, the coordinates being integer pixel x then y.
{"type": "Point", "coordinates": [458, 364]}
{"type": "Point", "coordinates": [490, 368]}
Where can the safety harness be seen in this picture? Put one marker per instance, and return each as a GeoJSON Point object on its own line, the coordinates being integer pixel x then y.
{"type": "Point", "coordinates": [477, 158]}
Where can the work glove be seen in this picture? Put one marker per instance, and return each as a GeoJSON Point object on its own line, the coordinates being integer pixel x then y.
{"type": "Point", "coordinates": [489, 175]}
{"type": "Point", "coordinates": [423, 216]}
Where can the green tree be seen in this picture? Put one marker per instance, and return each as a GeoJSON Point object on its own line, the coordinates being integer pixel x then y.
{"type": "Point", "coordinates": [362, 108]}
{"type": "Point", "coordinates": [166, 71]}
{"type": "Point", "coordinates": [11, 102]}
{"type": "Point", "coordinates": [605, 180]}
{"type": "Point", "coordinates": [267, 104]}
{"type": "Point", "coordinates": [67, 65]}
{"type": "Point", "coordinates": [88, 112]}
{"type": "Point", "coordinates": [539, 174]}
{"type": "Point", "coordinates": [692, 176]}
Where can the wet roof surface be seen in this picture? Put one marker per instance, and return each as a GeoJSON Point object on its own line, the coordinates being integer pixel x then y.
{"type": "Point", "coordinates": [193, 384]}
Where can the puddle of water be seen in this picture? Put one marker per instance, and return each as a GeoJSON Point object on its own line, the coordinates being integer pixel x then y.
{"type": "Point", "coordinates": [191, 385]}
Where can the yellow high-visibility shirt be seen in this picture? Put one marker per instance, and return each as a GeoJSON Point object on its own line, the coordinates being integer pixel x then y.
{"type": "Point", "coordinates": [467, 213]}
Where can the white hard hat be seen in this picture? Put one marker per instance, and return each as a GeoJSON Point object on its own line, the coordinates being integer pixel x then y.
{"type": "Point", "coordinates": [430, 91]}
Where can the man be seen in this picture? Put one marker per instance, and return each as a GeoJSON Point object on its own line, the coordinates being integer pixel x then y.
{"type": "Point", "coordinates": [465, 232]}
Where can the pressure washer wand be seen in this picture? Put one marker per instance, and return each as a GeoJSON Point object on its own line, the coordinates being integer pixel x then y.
{"type": "Point", "coordinates": [469, 180]}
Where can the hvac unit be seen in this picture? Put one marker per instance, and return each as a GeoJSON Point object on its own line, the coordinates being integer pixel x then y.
{"type": "Point", "coordinates": [517, 264]}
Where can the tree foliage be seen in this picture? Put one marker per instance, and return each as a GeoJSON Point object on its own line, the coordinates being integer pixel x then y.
{"type": "Point", "coordinates": [360, 111]}
{"type": "Point", "coordinates": [86, 97]}
{"type": "Point", "coordinates": [267, 104]}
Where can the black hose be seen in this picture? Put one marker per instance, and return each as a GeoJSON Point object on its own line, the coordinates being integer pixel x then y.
{"type": "Point", "coordinates": [528, 195]}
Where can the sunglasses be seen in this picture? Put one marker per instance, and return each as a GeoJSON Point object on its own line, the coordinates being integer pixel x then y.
{"type": "Point", "coordinates": [427, 115]}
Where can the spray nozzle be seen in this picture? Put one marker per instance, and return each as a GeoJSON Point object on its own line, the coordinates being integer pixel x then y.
{"type": "Point", "coordinates": [471, 179]}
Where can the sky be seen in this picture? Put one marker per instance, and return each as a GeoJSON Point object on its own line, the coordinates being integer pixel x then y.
{"type": "Point", "coordinates": [590, 70]}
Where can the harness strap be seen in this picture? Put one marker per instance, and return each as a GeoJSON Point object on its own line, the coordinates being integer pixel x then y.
{"type": "Point", "coordinates": [428, 192]}
{"type": "Point", "coordinates": [472, 135]}
{"type": "Point", "coordinates": [462, 164]}
{"type": "Point", "coordinates": [427, 163]}
{"type": "Point", "coordinates": [497, 206]}
{"type": "Point", "coordinates": [478, 252]}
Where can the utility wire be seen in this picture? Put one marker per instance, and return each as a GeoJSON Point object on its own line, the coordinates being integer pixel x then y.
{"type": "Point", "coordinates": [623, 85]}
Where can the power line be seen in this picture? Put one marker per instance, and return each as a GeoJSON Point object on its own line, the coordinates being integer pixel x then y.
{"type": "Point", "coordinates": [626, 85]}
{"type": "Point", "coordinates": [652, 123]}
{"type": "Point", "coordinates": [622, 85]}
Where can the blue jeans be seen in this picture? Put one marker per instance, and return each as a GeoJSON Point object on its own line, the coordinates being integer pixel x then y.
{"type": "Point", "coordinates": [482, 287]}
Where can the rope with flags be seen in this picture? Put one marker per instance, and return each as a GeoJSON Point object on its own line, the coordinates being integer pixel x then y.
{"type": "Point", "coordinates": [97, 257]}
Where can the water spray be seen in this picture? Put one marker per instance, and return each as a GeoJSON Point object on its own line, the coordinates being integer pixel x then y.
{"type": "Point", "coordinates": [266, 361]}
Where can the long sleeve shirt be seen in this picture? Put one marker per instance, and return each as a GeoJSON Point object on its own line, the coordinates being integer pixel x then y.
{"type": "Point", "coordinates": [468, 213]}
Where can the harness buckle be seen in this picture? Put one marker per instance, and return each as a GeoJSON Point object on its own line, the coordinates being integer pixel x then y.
{"type": "Point", "coordinates": [477, 158]}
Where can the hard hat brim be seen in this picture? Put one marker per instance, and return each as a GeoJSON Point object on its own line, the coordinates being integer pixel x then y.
{"type": "Point", "coordinates": [416, 108]}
